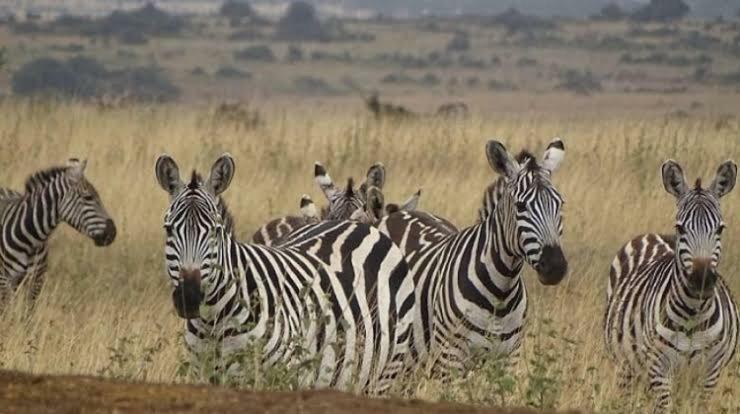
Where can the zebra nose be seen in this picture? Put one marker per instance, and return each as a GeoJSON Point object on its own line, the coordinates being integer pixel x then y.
{"type": "Point", "coordinates": [108, 234]}
{"type": "Point", "coordinates": [703, 275]}
{"type": "Point", "coordinates": [552, 266]}
{"type": "Point", "coordinates": [188, 295]}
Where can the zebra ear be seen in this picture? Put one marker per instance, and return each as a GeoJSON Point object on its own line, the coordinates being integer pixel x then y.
{"type": "Point", "coordinates": [376, 176]}
{"type": "Point", "coordinates": [168, 174]}
{"type": "Point", "coordinates": [308, 209]}
{"type": "Point", "coordinates": [554, 155]}
{"type": "Point", "coordinates": [412, 203]}
{"type": "Point", "coordinates": [500, 160]}
{"type": "Point", "coordinates": [673, 178]}
{"type": "Point", "coordinates": [375, 204]}
{"type": "Point", "coordinates": [221, 174]}
{"type": "Point", "coordinates": [323, 180]}
{"type": "Point", "coordinates": [725, 179]}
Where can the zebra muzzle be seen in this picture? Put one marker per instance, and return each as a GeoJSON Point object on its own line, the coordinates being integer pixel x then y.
{"type": "Point", "coordinates": [188, 295]}
{"type": "Point", "coordinates": [703, 276]}
{"type": "Point", "coordinates": [552, 266]}
{"type": "Point", "coordinates": [108, 234]}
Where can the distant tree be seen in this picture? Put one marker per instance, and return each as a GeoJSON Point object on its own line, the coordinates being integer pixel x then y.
{"type": "Point", "coordinates": [47, 76]}
{"type": "Point", "coordinates": [3, 58]}
{"type": "Point", "coordinates": [295, 54]}
{"type": "Point", "coordinates": [300, 23]}
{"type": "Point", "coordinates": [610, 12]}
{"type": "Point", "coordinates": [662, 11]}
{"type": "Point", "coordinates": [236, 9]}
{"type": "Point", "coordinates": [257, 52]}
{"type": "Point", "coordinates": [515, 21]}
{"type": "Point", "coordinates": [460, 42]}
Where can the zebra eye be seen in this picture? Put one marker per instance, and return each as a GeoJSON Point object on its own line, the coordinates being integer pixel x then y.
{"type": "Point", "coordinates": [168, 229]}
{"type": "Point", "coordinates": [720, 229]}
{"type": "Point", "coordinates": [88, 197]}
{"type": "Point", "coordinates": [521, 206]}
{"type": "Point", "coordinates": [680, 228]}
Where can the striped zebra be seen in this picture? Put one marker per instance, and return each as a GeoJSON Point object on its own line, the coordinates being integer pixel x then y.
{"type": "Point", "coordinates": [338, 291]}
{"type": "Point", "coordinates": [668, 309]}
{"type": "Point", "coordinates": [365, 204]}
{"type": "Point", "coordinates": [469, 293]}
{"type": "Point", "coordinates": [27, 220]}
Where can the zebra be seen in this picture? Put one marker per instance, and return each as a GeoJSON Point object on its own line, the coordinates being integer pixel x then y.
{"type": "Point", "coordinates": [337, 290]}
{"type": "Point", "coordinates": [364, 204]}
{"type": "Point", "coordinates": [469, 293]}
{"type": "Point", "coordinates": [276, 230]}
{"type": "Point", "coordinates": [27, 220]}
{"type": "Point", "coordinates": [668, 308]}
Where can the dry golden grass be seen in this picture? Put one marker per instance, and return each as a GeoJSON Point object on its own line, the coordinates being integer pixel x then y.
{"type": "Point", "coordinates": [108, 310]}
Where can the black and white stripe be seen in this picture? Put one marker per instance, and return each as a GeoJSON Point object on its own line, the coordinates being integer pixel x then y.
{"type": "Point", "coordinates": [52, 196]}
{"type": "Point", "coordinates": [469, 293]}
{"type": "Point", "coordinates": [668, 309]}
{"type": "Point", "coordinates": [338, 290]}
{"type": "Point", "coordinates": [365, 204]}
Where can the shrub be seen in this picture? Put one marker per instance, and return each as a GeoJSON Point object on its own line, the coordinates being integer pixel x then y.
{"type": "Point", "coordinates": [198, 71]}
{"type": "Point", "coordinates": [470, 62]}
{"type": "Point", "coordinates": [259, 52]}
{"type": "Point", "coordinates": [246, 34]}
{"type": "Point", "coordinates": [580, 82]}
{"type": "Point", "coordinates": [231, 72]}
{"type": "Point", "coordinates": [312, 85]}
{"type": "Point", "coordinates": [515, 22]}
{"type": "Point", "coordinates": [295, 54]}
{"type": "Point", "coordinates": [524, 62]}
{"type": "Point", "coordinates": [145, 84]}
{"type": "Point", "coordinates": [661, 11]}
{"type": "Point", "coordinates": [460, 42]}
{"type": "Point", "coordinates": [501, 86]}
{"type": "Point", "coordinates": [69, 48]}
{"type": "Point", "coordinates": [47, 76]}
{"type": "Point", "coordinates": [610, 12]}
{"type": "Point", "coordinates": [300, 23]}
{"type": "Point", "coordinates": [236, 9]}
{"type": "Point", "coordinates": [133, 37]}
{"type": "Point", "coordinates": [397, 78]}
{"type": "Point", "coordinates": [430, 79]}
{"type": "Point", "coordinates": [83, 77]}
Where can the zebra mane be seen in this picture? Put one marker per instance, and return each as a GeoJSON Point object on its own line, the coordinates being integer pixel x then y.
{"type": "Point", "coordinates": [526, 157]}
{"type": "Point", "coordinates": [196, 181]}
{"type": "Point", "coordinates": [697, 185]}
{"type": "Point", "coordinates": [40, 178]}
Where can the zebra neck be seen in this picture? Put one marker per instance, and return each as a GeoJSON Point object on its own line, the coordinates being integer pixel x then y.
{"type": "Point", "coordinates": [681, 304]}
{"type": "Point", "coordinates": [37, 215]}
{"type": "Point", "coordinates": [502, 262]}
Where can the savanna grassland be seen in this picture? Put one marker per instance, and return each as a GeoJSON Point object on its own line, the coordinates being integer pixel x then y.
{"type": "Point", "coordinates": [107, 311]}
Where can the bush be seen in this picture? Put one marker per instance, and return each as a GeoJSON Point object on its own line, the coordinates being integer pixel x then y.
{"type": "Point", "coordinates": [236, 9]}
{"type": "Point", "coordinates": [610, 12]}
{"type": "Point", "coordinates": [398, 78]}
{"type": "Point", "coordinates": [144, 84]}
{"type": "Point", "coordinates": [246, 34]}
{"type": "Point", "coordinates": [132, 37]}
{"type": "Point", "coordinates": [47, 76]}
{"type": "Point", "coordinates": [261, 53]}
{"type": "Point", "coordinates": [661, 11]}
{"type": "Point", "coordinates": [524, 62]}
{"type": "Point", "coordinates": [295, 54]}
{"type": "Point", "coordinates": [430, 79]}
{"type": "Point", "coordinates": [515, 22]}
{"type": "Point", "coordinates": [82, 77]}
{"type": "Point", "coordinates": [460, 42]}
{"type": "Point", "coordinates": [580, 82]}
{"type": "Point", "coordinates": [660, 58]}
{"type": "Point", "coordinates": [500, 86]}
{"type": "Point", "coordinates": [312, 85]}
{"type": "Point", "coordinates": [300, 23]}
{"type": "Point", "coordinates": [230, 72]}
{"type": "Point", "coordinates": [198, 71]}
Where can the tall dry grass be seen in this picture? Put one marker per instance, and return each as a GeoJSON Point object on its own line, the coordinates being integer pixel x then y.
{"type": "Point", "coordinates": [108, 310]}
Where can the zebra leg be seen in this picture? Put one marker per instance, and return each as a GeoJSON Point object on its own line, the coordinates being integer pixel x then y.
{"type": "Point", "coordinates": [660, 387]}
{"type": "Point", "coordinates": [710, 382]}
{"type": "Point", "coordinates": [625, 377]}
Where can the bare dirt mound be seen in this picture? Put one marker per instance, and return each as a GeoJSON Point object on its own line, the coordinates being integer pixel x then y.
{"type": "Point", "coordinates": [25, 393]}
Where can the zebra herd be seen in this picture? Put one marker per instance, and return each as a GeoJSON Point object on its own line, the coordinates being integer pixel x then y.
{"type": "Point", "coordinates": [371, 291]}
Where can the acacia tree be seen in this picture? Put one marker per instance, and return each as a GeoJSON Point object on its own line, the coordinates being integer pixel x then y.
{"type": "Point", "coordinates": [662, 11]}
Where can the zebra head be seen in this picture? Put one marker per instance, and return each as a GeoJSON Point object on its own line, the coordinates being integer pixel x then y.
{"type": "Point", "coordinates": [699, 222]}
{"type": "Point", "coordinates": [349, 202]}
{"type": "Point", "coordinates": [82, 208]}
{"type": "Point", "coordinates": [194, 223]}
{"type": "Point", "coordinates": [529, 206]}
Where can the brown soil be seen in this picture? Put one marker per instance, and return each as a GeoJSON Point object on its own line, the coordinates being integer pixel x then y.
{"type": "Point", "coordinates": [25, 393]}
